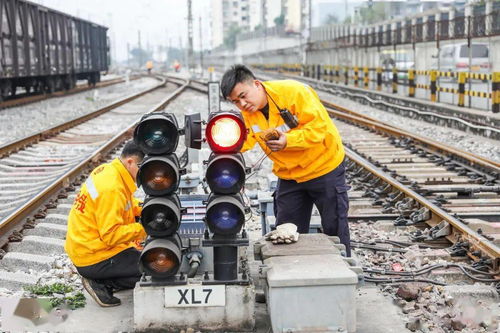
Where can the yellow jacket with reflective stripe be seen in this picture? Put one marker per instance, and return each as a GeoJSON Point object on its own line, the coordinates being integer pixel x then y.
{"type": "Point", "coordinates": [101, 222]}
{"type": "Point", "coordinates": [314, 148]}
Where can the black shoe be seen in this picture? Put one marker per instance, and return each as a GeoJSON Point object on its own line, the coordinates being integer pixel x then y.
{"type": "Point", "coordinates": [100, 293]}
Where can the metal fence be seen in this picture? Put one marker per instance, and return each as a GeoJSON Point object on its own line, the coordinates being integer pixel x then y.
{"type": "Point", "coordinates": [405, 32]}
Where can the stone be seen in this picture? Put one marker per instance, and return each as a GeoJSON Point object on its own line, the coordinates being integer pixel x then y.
{"type": "Point", "coordinates": [414, 324]}
{"type": "Point", "coordinates": [408, 291]}
{"type": "Point", "coordinates": [457, 324]}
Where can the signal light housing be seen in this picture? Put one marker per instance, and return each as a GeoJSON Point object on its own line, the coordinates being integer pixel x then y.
{"type": "Point", "coordinates": [225, 214]}
{"type": "Point", "coordinates": [161, 216]}
{"type": "Point", "coordinates": [226, 173]}
{"type": "Point", "coordinates": [161, 258]}
{"type": "Point", "coordinates": [225, 132]}
{"type": "Point", "coordinates": [157, 133]}
{"type": "Point", "coordinates": [159, 175]}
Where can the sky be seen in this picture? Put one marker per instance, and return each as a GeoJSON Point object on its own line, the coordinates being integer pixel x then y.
{"type": "Point", "coordinates": [158, 20]}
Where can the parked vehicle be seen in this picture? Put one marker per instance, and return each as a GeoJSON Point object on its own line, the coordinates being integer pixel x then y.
{"type": "Point", "coordinates": [401, 59]}
{"type": "Point", "coordinates": [455, 58]}
{"type": "Point", "coordinates": [44, 50]}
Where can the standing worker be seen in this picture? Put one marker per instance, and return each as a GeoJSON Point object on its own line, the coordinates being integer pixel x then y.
{"type": "Point", "coordinates": [293, 128]}
{"type": "Point", "coordinates": [103, 237]}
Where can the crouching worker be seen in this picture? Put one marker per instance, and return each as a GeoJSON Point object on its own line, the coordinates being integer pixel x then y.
{"type": "Point", "coordinates": [103, 235]}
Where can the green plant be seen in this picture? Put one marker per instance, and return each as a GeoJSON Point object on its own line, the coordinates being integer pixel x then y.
{"type": "Point", "coordinates": [73, 302]}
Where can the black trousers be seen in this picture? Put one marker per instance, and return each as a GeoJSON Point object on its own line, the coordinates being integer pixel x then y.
{"type": "Point", "coordinates": [118, 272]}
{"type": "Point", "coordinates": [293, 203]}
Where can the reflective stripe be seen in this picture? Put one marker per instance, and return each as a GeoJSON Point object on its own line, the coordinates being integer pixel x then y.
{"type": "Point", "coordinates": [91, 188]}
{"type": "Point", "coordinates": [256, 128]}
{"type": "Point", "coordinates": [127, 207]}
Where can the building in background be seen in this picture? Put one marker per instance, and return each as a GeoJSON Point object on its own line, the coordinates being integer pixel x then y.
{"type": "Point", "coordinates": [227, 15]}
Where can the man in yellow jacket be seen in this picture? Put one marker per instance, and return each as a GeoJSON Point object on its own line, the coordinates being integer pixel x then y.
{"type": "Point", "coordinates": [308, 159]}
{"type": "Point", "coordinates": [103, 235]}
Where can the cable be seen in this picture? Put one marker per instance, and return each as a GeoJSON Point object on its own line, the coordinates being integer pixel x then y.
{"type": "Point", "coordinates": [257, 167]}
{"type": "Point", "coordinates": [184, 159]}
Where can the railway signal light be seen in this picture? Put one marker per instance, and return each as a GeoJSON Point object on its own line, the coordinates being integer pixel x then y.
{"type": "Point", "coordinates": [225, 175]}
{"type": "Point", "coordinates": [159, 175]}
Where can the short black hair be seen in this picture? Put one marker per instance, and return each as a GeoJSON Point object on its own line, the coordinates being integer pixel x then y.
{"type": "Point", "coordinates": [132, 149]}
{"type": "Point", "coordinates": [236, 74]}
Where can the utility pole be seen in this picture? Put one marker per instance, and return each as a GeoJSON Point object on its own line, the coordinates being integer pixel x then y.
{"type": "Point", "coordinates": [128, 54]}
{"type": "Point", "coordinates": [190, 35]}
{"type": "Point", "coordinates": [201, 48]}
{"type": "Point", "coordinates": [139, 47]}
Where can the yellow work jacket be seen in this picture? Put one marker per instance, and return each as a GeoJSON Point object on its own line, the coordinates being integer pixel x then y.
{"type": "Point", "coordinates": [313, 148]}
{"type": "Point", "coordinates": [101, 222]}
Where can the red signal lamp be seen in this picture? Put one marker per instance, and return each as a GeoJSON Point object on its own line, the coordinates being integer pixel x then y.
{"type": "Point", "coordinates": [225, 132]}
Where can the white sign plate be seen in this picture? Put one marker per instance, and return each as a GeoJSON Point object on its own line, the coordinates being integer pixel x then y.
{"type": "Point", "coordinates": [195, 296]}
{"type": "Point", "coordinates": [213, 97]}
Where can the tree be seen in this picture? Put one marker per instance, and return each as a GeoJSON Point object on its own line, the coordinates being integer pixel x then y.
{"type": "Point", "coordinates": [140, 56]}
{"type": "Point", "coordinates": [279, 20]}
{"type": "Point", "coordinates": [374, 13]}
{"type": "Point", "coordinates": [331, 19]}
{"type": "Point", "coordinates": [231, 35]}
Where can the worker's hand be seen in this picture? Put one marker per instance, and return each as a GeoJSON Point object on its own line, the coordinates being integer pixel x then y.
{"type": "Point", "coordinates": [284, 234]}
{"type": "Point", "coordinates": [277, 145]}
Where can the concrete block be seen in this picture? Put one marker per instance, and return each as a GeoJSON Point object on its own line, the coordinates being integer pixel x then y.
{"type": "Point", "coordinates": [16, 280]}
{"type": "Point", "coordinates": [56, 218]}
{"type": "Point", "coordinates": [62, 208]}
{"type": "Point", "coordinates": [325, 281]}
{"type": "Point", "coordinates": [307, 244]}
{"type": "Point", "coordinates": [48, 230]}
{"type": "Point", "coordinates": [151, 314]}
{"type": "Point", "coordinates": [38, 244]}
{"type": "Point", "coordinates": [431, 254]}
{"type": "Point", "coordinates": [17, 261]}
{"type": "Point", "coordinates": [472, 292]}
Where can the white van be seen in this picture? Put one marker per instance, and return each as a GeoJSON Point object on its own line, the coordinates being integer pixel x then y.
{"type": "Point", "coordinates": [455, 58]}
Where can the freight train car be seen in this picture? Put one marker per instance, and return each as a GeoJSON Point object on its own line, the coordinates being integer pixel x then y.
{"type": "Point", "coordinates": [44, 50]}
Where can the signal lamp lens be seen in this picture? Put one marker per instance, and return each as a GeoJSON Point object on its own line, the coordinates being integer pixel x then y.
{"type": "Point", "coordinates": [225, 173]}
{"type": "Point", "coordinates": [158, 175]}
{"type": "Point", "coordinates": [161, 260]}
{"type": "Point", "coordinates": [157, 134]}
{"type": "Point", "coordinates": [225, 215]}
{"type": "Point", "coordinates": [225, 132]}
{"type": "Point", "coordinates": [161, 257]}
{"type": "Point", "coordinates": [161, 216]}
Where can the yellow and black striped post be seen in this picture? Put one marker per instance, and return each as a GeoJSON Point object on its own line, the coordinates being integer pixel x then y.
{"type": "Point", "coordinates": [346, 75]}
{"type": "Point", "coordinates": [394, 80]}
{"type": "Point", "coordinates": [495, 92]}
{"type": "Point", "coordinates": [337, 74]}
{"type": "Point", "coordinates": [331, 73]}
{"type": "Point", "coordinates": [356, 77]}
{"type": "Point", "coordinates": [433, 87]}
{"type": "Point", "coordinates": [379, 78]}
{"type": "Point", "coordinates": [366, 77]}
{"type": "Point", "coordinates": [326, 74]}
{"type": "Point", "coordinates": [461, 88]}
{"type": "Point", "coordinates": [411, 82]}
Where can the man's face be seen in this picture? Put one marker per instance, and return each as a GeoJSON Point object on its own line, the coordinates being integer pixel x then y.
{"type": "Point", "coordinates": [248, 96]}
{"type": "Point", "coordinates": [132, 164]}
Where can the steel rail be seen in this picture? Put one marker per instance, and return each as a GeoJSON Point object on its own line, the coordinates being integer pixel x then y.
{"type": "Point", "coordinates": [14, 221]}
{"type": "Point", "coordinates": [28, 99]}
{"type": "Point", "coordinates": [475, 239]}
{"type": "Point", "coordinates": [475, 160]}
{"type": "Point", "coordinates": [13, 146]}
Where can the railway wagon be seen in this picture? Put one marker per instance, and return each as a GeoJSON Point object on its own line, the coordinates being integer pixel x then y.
{"type": "Point", "coordinates": [44, 50]}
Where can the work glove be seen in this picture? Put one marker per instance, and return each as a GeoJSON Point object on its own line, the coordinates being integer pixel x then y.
{"type": "Point", "coordinates": [284, 234]}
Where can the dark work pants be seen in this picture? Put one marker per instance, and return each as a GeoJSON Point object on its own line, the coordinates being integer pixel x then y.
{"type": "Point", "coordinates": [118, 272]}
{"type": "Point", "coordinates": [293, 203]}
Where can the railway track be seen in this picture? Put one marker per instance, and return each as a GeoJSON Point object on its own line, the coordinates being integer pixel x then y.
{"type": "Point", "coordinates": [38, 172]}
{"type": "Point", "coordinates": [32, 98]}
